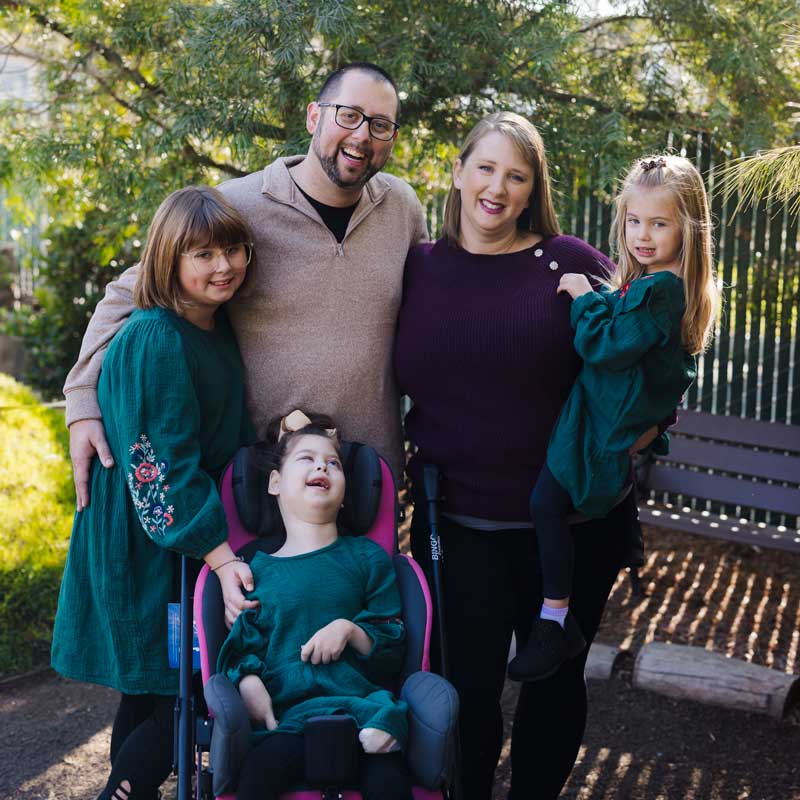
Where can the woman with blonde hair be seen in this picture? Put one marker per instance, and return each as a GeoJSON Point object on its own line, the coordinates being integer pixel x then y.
{"type": "Point", "coordinates": [484, 350]}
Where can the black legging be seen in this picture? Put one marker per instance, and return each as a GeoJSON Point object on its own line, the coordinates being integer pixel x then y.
{"type": "Point", "coordinates": [141, 745]}
{"type": "Point", "coordinates": [278, 762]}
{"type": "Point", "coordinates": [550, 505]}
{"type": "Point", "coordinates": [493, 587]}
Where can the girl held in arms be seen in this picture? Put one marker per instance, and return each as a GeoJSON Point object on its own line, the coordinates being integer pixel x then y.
{"type": "Point", "coordinates": [638, 338]}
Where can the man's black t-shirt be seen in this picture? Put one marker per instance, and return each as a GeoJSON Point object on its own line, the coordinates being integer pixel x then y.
{"type": "Point", "coordinates": [335, 218]}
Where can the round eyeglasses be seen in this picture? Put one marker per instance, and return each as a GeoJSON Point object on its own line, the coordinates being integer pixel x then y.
{"type": "Point", "coordinates": [351, 118]}
{"type": "Point", "coordinates": [207, 259]}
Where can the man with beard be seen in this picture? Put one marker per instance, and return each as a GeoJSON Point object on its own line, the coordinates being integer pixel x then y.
{"type": "Point", "coordinates": [315, 319]}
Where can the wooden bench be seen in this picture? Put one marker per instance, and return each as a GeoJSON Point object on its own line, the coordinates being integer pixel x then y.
{"type": "Point", "coordinates": [720, 477]}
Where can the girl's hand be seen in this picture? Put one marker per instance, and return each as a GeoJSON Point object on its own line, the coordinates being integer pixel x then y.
{"type": "Point", "coordinates": [574, 284]}
{"type": "Point", "coordinates": [257, 701]}
{"type": "Point", "coordinates": [235, 577]}
{"type": "Point", "coordinates": [328, 643]}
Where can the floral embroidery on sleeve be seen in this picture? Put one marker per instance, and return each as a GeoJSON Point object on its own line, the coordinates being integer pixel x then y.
{"type": "Point", "coordinates": [148, 487]}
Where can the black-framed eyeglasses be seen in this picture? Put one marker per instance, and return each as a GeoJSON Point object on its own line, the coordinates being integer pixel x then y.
{"type": "Point", "coordinates": [352, 118]}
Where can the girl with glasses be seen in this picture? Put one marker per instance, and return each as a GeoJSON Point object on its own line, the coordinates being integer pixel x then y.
{"type": "Point", "coordinates": [172, 396]}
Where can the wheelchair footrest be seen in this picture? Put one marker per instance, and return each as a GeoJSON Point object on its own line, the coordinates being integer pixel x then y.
{"type": "Point", "coordinates": [332, 752]}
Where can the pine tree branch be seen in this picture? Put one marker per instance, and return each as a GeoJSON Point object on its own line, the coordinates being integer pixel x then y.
{"type": "Point", "coordinates": [773, 175]}
{"type": "Point", "coordinates": [111, 56]}
{"type": "Point", "coordinates": [609, 21]}
{"type": "Point", "coordinates": [599, 50]}
{"type": "Point", "coordinates": [207, 161]}
{"type": "Point", "coordinates": [650, 115]}
{"type": "Point", "coordinates": [187, 149]}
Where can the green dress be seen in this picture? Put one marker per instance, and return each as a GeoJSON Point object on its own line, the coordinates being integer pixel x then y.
{"type": "Point", "coordinates": [635, 372]}
{"type": "Point", "coordinates": [173, 404]}
{"type": "Point", "coordinates": [354, 579]}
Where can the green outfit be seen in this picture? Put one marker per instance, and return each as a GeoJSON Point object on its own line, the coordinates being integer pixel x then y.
{"type": "Point", "coordinates": [634, 374]}
{"type": "Point", "coordinates": [354, 579]}
{"type": "Point", "coordinates": [172, 397]}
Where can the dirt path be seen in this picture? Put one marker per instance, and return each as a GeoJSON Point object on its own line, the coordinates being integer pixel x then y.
{"type": "Point", "coordinates": [639, 746]}
{"type": "Point", "coordinates": [54, 739]}
{"type": "Point", "coordinates": [54, 735]}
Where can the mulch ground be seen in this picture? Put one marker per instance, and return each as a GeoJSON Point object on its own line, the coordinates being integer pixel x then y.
{"type": "Point", "coordinates": [638, 746]}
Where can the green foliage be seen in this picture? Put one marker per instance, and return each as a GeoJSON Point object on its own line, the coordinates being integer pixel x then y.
{"type": "Point", "coordinates": [143, 97]}
{"type": "Point", "coordinates": [7, 270]}
{"type": "Point", "coordinates": [773, 175]}
{"type": "Point", "coordinates": [80, 261]}
{"type": "Point", "coordinates": [36, 506]}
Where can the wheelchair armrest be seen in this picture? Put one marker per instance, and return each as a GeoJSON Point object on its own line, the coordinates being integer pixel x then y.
{"type": "Point", "coordinates": [432, 719]}
{"type": "Point", "coordinates": [231, 735]}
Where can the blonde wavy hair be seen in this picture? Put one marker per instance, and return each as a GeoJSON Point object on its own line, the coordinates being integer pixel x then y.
{"type": "Point", "coordinates": [685, 185]}
{"type": "Point", "coordinates": [540, 216]}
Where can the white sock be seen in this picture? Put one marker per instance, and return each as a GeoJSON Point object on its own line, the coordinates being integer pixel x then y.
{"type": "Point", "coordinates": [555, 614]}
{"type": "Point", "coordinates": [374, 740]}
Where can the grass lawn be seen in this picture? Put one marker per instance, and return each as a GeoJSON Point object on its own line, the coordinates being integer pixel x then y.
{"type": "Point", "coordinates": [36, 509]}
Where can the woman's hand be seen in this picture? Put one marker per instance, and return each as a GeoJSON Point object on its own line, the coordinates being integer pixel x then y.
{"type": "Point", "coordinates": [257, 701]}
{"type": "Point", "coordinates": [328, 643]}
{"type": "Point", "coordinates": [574, 284]}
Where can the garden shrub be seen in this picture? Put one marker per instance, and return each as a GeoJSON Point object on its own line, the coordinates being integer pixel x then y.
{"type": "Point", "coordinates": [71, 280]}
{"type": "Point", "coordinates": [36, 509]}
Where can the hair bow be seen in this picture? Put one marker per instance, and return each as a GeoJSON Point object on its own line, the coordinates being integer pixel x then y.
{"type": "Point", "coordinates": [652, 164]}
{"type": "Point", "coordinates": [296, 421]}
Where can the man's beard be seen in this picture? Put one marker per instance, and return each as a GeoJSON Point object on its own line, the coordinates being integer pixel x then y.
{"type": "Point", "coordinates": [331, 168]}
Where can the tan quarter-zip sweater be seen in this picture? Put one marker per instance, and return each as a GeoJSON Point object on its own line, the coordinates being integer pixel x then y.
{"type": "Point", "coordinates": [315, 321]}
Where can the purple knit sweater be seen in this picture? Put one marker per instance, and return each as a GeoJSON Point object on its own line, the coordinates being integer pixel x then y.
{"type": "Point", "coordinates": [484, 350]}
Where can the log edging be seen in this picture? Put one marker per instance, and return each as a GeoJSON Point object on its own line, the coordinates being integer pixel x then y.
{"type": "Point", "coordinates": [693, 673]}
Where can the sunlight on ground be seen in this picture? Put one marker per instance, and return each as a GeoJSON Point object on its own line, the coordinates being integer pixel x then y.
{"type": "Point", "coordinates": [58, 782]}
{"type": "Point", "coordinates": [731, 605]}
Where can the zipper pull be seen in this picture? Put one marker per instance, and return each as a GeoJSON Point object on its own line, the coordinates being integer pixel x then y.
{"type": "Point", "coordinates": [339, 249]}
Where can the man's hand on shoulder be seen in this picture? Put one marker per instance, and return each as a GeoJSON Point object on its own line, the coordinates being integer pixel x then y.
{"type": "Point", "coordinates": [87, 438]}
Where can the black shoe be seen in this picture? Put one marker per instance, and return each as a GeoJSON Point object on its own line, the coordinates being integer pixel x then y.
{"type": "Point", "coordinates": [547, 648]}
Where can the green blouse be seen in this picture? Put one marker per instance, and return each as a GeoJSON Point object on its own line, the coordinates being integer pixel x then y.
{"type": "Point", "coordinates": [173, 404]}
{"type": "Point", "coordinates": [635, 372]}
{"type": "Point", "coordinates": [354, 579]}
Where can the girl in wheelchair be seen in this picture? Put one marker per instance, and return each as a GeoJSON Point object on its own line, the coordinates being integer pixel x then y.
{"type": "Point", "coordinates": [326, 634]}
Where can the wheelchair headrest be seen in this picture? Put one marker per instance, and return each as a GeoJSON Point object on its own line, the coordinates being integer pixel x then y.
{"type": "Point", "coordinates": [259, 512]}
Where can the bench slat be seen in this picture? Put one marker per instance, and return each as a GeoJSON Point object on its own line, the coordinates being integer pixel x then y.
{"type": "Point", "coordinates": [714, 527]}
{"type": "Point", "coordinates": [738, 430]}
{"type": "Point", "coordinates": [744, 460]}
{"type": "Point", "coordinates": [731, 491]}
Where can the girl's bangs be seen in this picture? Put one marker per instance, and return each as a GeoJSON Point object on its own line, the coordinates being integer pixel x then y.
{"type": "Point", "coordinates": [211, 225]}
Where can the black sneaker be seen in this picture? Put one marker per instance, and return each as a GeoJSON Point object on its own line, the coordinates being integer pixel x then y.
{"type": "Point", "coordinates": [547, 648]}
